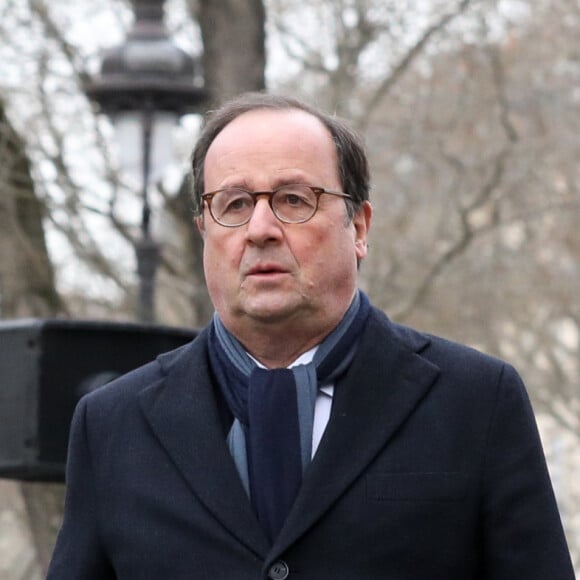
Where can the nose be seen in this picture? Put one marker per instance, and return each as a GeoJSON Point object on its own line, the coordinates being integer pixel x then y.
{"type": "Point", "coordinates": [263, 227]}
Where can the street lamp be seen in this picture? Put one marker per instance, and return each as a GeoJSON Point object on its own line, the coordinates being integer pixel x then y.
{"type": "Point", "coordinates": [145, 85]}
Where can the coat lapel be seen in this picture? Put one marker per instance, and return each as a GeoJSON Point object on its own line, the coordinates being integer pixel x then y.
{"type": "Point", "coordinates": [383, 386]}
{"type": "Point", "coordinates": [182, 411]}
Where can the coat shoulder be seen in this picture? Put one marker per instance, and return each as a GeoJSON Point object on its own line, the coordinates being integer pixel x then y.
{"type": "Point", "coordinates": [127, 387]}
{"type": "Point", "coordinates": [450, 357]}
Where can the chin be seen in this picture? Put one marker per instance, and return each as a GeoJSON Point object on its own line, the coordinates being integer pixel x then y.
{"type": "Point", "coordinates": [276, 311]}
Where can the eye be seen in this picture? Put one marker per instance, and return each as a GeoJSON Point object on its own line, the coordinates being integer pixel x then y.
{"type": "Point", "coordinates": [293, 200]}
{"type": "Point", "coordinates": [233, 201]}
{"type": "Point", "coordinates": [295, 197]}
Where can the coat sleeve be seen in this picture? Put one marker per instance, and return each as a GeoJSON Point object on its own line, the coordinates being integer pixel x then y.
{"type": "Point", "coordinates": [79, 552]}
{"type": "Point", "coordinates": [522, 535]}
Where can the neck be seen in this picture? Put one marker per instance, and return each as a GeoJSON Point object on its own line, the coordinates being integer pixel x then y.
{"type": "Point", "coordinates": [277, 341]}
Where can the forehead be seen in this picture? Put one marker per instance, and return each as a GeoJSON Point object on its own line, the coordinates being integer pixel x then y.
{"type": "Point", "coordinates": [276, 139]}
{"type": "Point", "coordinates": [263, 121]}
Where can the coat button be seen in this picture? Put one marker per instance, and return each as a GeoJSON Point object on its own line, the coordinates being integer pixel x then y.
{"type": "Point", "coordinates": [279, 571]}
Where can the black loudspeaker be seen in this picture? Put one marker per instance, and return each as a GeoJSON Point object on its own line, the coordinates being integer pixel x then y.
{"type": "Point", "coordinates": [46, 366]}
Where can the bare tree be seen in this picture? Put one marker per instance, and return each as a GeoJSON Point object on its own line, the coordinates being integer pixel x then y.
{"type": "Point", "coordinates": [27, 289]}
{"type": "Point", "coordinates": [234, 51]}
{"type": "Point", "coordinates": [27, 282]}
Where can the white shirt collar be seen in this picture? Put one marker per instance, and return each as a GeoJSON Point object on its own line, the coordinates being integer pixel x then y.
{"type": "Point", "coordinates": [303, 359]}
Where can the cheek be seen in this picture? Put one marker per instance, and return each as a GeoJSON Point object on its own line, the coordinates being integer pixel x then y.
{"type": "Point", "coordinates": [221, 276]}
{"type": "Point", "coordinates": [220, 260]}
{"type": "Point", "coordinates": [328, 257]}
{"type": "Point", "coordinates": [310, 252]}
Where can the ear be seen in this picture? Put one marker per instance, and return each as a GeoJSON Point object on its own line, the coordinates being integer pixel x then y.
{"type": "Point", "coordinates": [199, 222]}
{"type": "Point", "coordinates": [362, 225]}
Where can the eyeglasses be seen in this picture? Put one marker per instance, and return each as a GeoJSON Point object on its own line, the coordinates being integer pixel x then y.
{"type": "Point", "coordinates": [291, 204]}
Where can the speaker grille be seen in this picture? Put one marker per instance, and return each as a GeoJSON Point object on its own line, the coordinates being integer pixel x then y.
{"type": "Point", "coordinates": [46, 366]}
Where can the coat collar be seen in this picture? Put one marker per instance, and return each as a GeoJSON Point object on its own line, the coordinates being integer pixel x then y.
{"type": "Point", "coordinates": [386, 381]}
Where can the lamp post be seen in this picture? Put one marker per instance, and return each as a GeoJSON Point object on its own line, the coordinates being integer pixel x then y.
{"type": "Point", "coordinates": [145, 85]}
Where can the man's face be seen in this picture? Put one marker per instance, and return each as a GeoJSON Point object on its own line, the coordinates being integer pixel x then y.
{"type": "Point", "coordinates": [298, 276]}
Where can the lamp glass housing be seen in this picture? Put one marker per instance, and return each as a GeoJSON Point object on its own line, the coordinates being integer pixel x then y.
{"type": "Point", "coordinates": [130, 128]}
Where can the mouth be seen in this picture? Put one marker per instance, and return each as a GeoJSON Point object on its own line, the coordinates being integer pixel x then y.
{"type": "Point", "coordinates": [266, 270]}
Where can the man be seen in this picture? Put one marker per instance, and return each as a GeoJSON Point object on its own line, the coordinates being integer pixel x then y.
{"type": "Point", "coordinates": [303, 434]}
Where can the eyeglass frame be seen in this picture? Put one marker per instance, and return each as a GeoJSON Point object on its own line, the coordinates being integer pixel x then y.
{"type": "Point", "coordinates": [317, 191]}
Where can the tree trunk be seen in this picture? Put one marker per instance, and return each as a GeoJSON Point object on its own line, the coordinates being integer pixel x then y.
{"type": "Point", "coordinates": [27, 289]}
{"type": "Point", "coordinates": [234, 56]}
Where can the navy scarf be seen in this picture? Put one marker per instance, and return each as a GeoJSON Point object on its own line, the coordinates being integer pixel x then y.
{"type": "Point", "coordinates": [271, 437]}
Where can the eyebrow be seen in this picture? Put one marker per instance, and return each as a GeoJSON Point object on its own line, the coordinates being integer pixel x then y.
{"type": "Point", "coordinates": [277, 184]}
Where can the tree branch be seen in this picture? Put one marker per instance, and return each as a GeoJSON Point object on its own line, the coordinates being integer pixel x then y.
{"type": "Point", "coordinates": [411, 55]}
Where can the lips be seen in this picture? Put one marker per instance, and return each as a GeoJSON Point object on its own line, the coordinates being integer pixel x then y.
{"type": "Point", "coordinates": [266, 269]}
